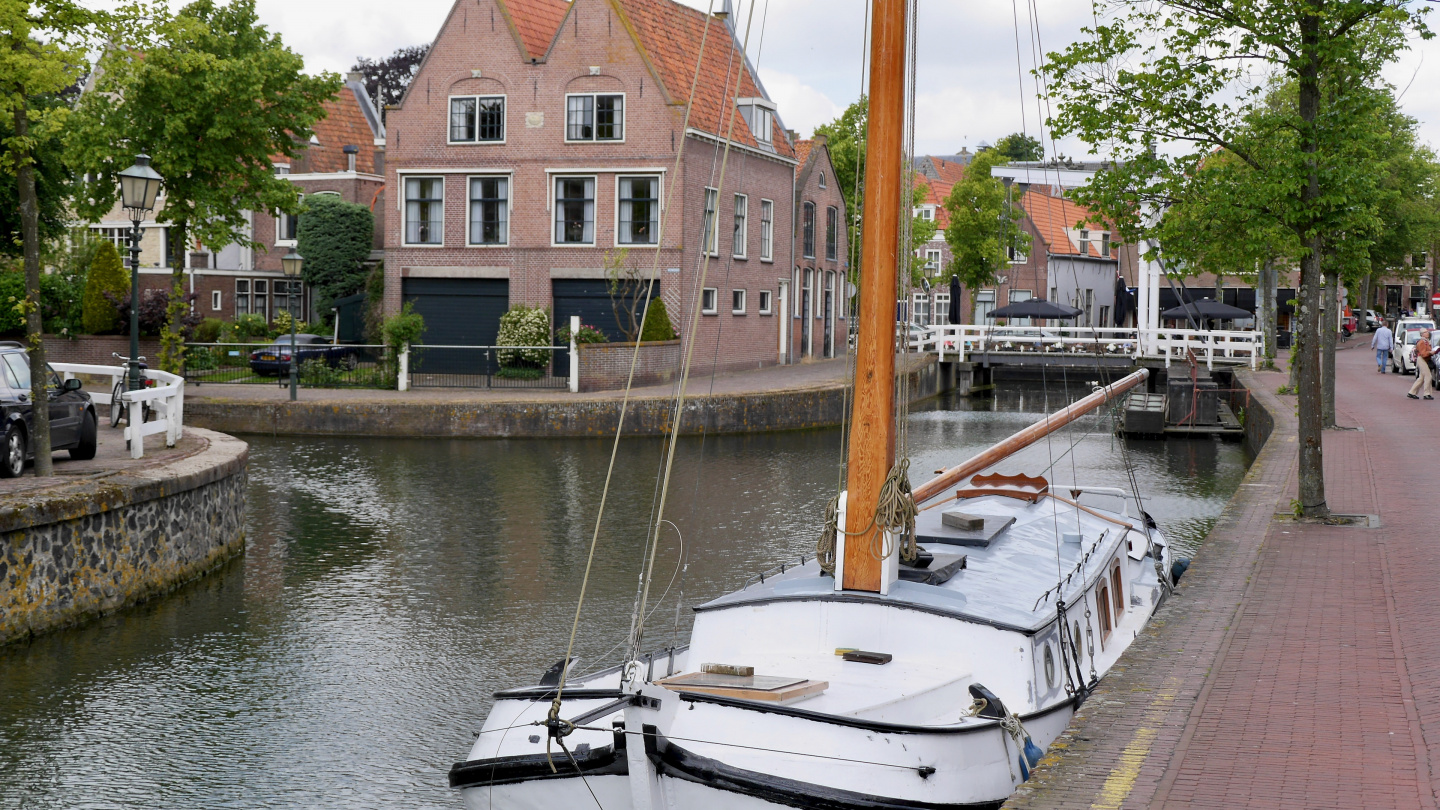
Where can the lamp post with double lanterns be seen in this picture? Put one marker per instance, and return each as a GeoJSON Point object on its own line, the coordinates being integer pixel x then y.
{"type": "Point", "coordinates": [292, 263]}
{"type": "Point", "coordinates": [139, 188]}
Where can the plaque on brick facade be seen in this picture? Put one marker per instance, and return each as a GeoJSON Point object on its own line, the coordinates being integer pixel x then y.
{"type": "Point", "coordinates": [534, 120]}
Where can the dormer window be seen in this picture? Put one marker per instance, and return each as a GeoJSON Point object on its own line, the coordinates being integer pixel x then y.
{"type": "Point", "coordinates": [477, 119]}
{"type": "Point", "coordinates": [1105, 244]}
{"type": "Point", "coordinates": [595, 117]}
{"type": "Point", "coordinates": [1084, 243]}
{"type": "Point", "coordinates": [759, 113]}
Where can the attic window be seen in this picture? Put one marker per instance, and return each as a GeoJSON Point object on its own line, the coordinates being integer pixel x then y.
{"type": "Point", "coordinates": [822, 180]}
{"type": "Point", "coordinates": [477, 119]}
{"type": "Point", "coordinates": [759, 113]}
{"type": "Point", "coordinates": [595, 117]}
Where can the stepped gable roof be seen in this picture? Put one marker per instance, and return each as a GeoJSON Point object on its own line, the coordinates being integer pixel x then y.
{"type": "Point", "coordinates": [1054, 217]}
{"type": "Point", "coordinates": [537, 22]}
{"type": "Point", "coordinates": [669, 35]}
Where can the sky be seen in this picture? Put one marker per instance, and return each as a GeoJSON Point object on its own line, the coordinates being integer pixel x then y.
{"type": "Point", "coordinates": [810, 56]}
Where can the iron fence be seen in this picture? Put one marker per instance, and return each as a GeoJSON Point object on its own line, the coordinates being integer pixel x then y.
{"type": "Point", "coordinates": [489, 366]}
{"type": "Point", "coordinates": [321, 365]}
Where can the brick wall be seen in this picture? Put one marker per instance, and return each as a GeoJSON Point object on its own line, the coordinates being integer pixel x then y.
{"type": "Point", "coordinates": [823, 272]}
{"type": "Point", "coordinates": [96, 349]}
{"type": "Point", "coordinates": [606, 366]}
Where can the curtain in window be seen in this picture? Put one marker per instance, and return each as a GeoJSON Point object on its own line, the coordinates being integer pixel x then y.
{"type": "Point", "coordinates": [489, 210]}
{"type": "Point", "coordinates": [424, 206]}
{"type": "Point", "coordinates": [580, 118]}
{"type": "Point", "coordinates": [639, 210]}
{"type": "Point", "coordinates": [462, 119]}
{"type": "Point", "coordinates": [575, 210]}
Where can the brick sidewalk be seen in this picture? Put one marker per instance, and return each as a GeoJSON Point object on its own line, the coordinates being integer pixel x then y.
{"type": "Point", "coordinates": [1300, 666]}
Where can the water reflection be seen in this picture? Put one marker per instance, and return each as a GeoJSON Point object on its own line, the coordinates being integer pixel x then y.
{"type": "Point", "coordinates": [390, 586]}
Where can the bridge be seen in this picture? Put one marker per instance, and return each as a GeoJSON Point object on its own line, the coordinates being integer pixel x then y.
{"type": "Point", "coordinates": [1068, 345]}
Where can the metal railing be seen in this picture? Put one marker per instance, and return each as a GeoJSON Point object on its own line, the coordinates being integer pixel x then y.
{"type": "Point", "coordinates": [431, 366]}
{"type": "Point", "coordinates": [959, 341]}
{"type": "Point", "coordinates": [166, 401]}
{"type": "Point", "coordinates": [320, 365]}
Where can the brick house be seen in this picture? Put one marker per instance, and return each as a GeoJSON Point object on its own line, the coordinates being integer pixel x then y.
{"type": "Point", "coordinates": [938, 176]}
{"type": "Point", "coordinates": [818, 308]}
{"type": "Point", "coordinates": [345, 157]}
{"type": "Point", "coordinates": [538, 142]}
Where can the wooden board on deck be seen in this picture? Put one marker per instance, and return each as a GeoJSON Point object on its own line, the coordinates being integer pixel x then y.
{"type": "Point", "coordinates": [768, 688]}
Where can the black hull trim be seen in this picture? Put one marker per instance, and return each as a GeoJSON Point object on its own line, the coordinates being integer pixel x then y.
{"type": "Point", "coordinates": [607, 761]}
{"type": "Point", "coordinates": [677, 763]}
{"type": "Point", "coordinates": [868, 725]}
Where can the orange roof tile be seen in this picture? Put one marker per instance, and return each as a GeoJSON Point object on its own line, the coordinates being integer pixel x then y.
{"type": "Point", "coordinates": [669, 35]}
{"type": "Point", "coordinates": [802, 152]}
{"type": "Point", "coordinates": [1052, 217]}
{"type": "Point", "coordinates": [950, 173]}
{"type": "Point", "coordinates": [343, 124]}
{"type": "Point", "coordinates": [537, 21]}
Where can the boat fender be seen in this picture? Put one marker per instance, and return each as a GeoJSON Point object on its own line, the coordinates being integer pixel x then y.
{"type": "Point", "coordinates": [1178, 569]}
{"type": "Point", "coordinates": [1030, 753]}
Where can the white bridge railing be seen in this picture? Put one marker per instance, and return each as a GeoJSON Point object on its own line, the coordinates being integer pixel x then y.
{"type": "Point", "coordinates": [959, 341]}
{"type": "Point", "coordinates": [166, 400]}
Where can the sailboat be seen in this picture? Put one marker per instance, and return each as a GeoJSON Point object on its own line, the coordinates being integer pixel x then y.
{"type": "Point", "coordinates": [940, 640]}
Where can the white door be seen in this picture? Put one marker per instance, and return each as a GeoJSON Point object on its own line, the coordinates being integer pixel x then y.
{"type": "Point", "coordinates": [783, 316]}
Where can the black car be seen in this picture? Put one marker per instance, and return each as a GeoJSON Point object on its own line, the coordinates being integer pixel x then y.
{"type": "Point", "coordinates": [73, 425]}
{"type": "Point", "coordinates": [274, 360]}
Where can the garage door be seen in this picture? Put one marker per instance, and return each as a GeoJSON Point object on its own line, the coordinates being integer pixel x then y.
{"type": "Point", "coordinates": [591, 300]}
{"type": "Point", "coordinates": [457, 312]}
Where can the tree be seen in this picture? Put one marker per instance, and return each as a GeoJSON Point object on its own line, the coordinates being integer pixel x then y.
{"type": "Point", "coordinates": [107, 280]}
{"type": "Point", "coordinates": [845, 138]}
{"type": "Point", "coordinates": [52, 182]}
{"type": "Point", "coordinates": [922, 230]}
{"type": "Point", "coordinates": [982, 225]}
{"type": "Point", "coordinates": [386, 79]}
{"type": "Point", "coordinates": [1018, 147]}
{"type": "Point", "coordinates": [212, 99]}
{"type": "Point", "coordinates": [335, 238]}
{"type": "Point", "coordinates": [1182, 74]}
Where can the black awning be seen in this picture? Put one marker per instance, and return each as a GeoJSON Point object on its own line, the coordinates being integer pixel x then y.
{"type": "Point", "coordinates": [1283, 296]}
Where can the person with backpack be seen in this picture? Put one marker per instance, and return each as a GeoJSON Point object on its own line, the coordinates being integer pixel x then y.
{"type": "Point", "coordinates": [1382, 342]}
{"type": "Point", "coordinates": [1423, 353]}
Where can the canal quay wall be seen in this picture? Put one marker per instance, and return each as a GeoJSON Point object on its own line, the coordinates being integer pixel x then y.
{"type": "Point", "coordinates": [1117, 749]}
{"type": "Point", "coordinates": [797, 403]}
{"type": "Point", "coordinates": [82, 548]}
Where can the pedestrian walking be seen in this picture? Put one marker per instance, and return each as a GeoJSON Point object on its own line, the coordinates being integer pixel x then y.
{"type": "Point", "coordinates": [1422, 366]}
{"type": "Point", "coordinates": [1382, 342]}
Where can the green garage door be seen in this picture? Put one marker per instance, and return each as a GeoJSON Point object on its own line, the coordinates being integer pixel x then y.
{"type": "Point", "coordinates": [590, 299]}
{"type": "Point", "coordinates": [457, 312]}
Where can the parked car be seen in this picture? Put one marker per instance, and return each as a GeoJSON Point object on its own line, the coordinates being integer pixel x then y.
{"type": "Point", "coordinates": [1372, 320]}
{"type": "Point", "coordinates": [73, 424]}
{"type": "Point", "coordinates": [1407, 335]}
{"type": "Point", "coordinates": [274, 360]}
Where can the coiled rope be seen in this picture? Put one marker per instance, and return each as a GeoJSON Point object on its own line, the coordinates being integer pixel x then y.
{"type": "Point", "coordinates": [894, 515]}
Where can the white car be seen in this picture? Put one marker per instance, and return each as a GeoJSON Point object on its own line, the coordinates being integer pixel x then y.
{"type": "Point", "coordinates": [1372, 321]}
{"type": "Point", "coordinates": [1407, 335]}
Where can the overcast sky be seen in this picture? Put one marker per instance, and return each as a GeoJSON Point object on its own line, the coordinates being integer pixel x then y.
{"type": "Point", "coordinates": [810, 58]}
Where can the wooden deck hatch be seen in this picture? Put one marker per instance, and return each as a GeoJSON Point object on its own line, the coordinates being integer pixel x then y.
{"type": "Point", "coordinates": [768, 688]}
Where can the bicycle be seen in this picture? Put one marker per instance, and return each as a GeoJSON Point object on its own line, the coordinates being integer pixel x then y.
{"type": "Point", "coordinates": [118, 412]}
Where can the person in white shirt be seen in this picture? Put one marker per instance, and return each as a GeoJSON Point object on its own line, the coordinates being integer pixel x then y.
{"type": "Point", "coordinates": [1382, 342]}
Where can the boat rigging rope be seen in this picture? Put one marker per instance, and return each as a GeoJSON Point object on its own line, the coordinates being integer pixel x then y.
{"type": "Point", "coordinates": [625, 401]}
{"type": "Point", "coordinates": [894, 516]}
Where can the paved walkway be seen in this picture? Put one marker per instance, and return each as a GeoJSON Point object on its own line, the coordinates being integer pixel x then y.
{"type": "Point", "coordinates": [805, 376]}
{"type": "Point", "coordinates": [111, 456]}
{"type": "Point", "coordinates": [1300, 665]}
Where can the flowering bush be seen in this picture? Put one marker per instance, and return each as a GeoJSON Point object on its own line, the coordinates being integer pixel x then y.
{"type": "Point", "coordinates": [587, 334]}
{"type": "Point", "coordinates": [524, 326]}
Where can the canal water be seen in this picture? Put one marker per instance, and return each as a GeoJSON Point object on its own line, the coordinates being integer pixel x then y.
{"type": "Point", "coordinates": [390, 586]}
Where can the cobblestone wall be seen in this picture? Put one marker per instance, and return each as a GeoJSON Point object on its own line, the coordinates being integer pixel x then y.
{"type": "Point", "coordinates": [83, 549]}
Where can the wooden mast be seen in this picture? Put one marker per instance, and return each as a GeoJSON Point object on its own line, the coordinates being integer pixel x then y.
{"type": "Point", "coordinates": [872, 426]}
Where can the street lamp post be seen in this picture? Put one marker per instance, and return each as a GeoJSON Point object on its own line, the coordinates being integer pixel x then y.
{"type": "Point", "coordinates": [292, 263]}
{"type": "Point", "coordinates": [139, 187]}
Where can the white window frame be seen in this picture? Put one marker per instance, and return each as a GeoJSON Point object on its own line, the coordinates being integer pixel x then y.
{"type": "Point", "coordinates": [509, 207]}
{"type": "Point", "coordinates": [985, 296]}
{"type": "Point", "coordinates": [659, 207]}
{"type": "Point", "coordinates": [926, 212]}
{"type": "Point", "coordinates": [1105, 244]}
{"type": "Point", "coordinates": [832, 233]}
{"type": "Point", "coordinates": [405, 210]}
{"type": "Point", "coordinates": [740, 228]}
{"type": "Point", "coordinates": [767, 230]}
{"type": "Point", "coordinates": [217, 300]}
{"type": "Point", "coordinates": [809, 206]}
{"type": "Point", "coordinates": [822, 180]}
{"type": "Point", "coordinates": [766, 306]}
{"type": "Point", "coordinates": [1016, 257]}
{"type": "Point", "coordinates": [1084, 240]}
{"type": "Point", "coordinates": [624, 110]}
{"type": "Point", "coordinates": [713, 296]}
{"type": "Point", "coordinates": [555, 208]}
{"type": "Point", "coordinates": [932, 260]}
{"type": "Point", "coordinates": [710, 231]}
{"type": "Point", "coordinates": [117, 236]}
{"type": "Point", "coordinates": [763, 126]}
{"type": "Point", "coordinates": [280, 219]}
{"type": "Point", "coordinates": [740, 296]}
{"type": "Point", "coordinates": [504, 121]}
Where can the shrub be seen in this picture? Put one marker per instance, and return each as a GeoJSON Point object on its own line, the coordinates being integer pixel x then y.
{"type": "Point", "coordinates": [586, 334]}
{"type": "Point", "coordinates": [524, 326]}
{"type": "Point", "coordinates": [245, 329]}
{"type": "Point", "coordinates": [208, 330]}
{"type": "Point", "coordinates": [335, 238]}
{"type": "Point", "coordinates": [281, 326]}
{"type": "Point", "coordinates": [12, 292]}
{"type": "Point", "coordinates": [657, 322]}
{"type": "Point", "coordinates": [155, 311]}
{"type": "Point", "coordinates": [403, 328]}
{"type": "Point", "coordinates": [105, 284]}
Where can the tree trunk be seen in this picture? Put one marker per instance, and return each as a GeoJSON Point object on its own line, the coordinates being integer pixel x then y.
{"type": "Point", "coordinates": [1330, 316]}
{"type": "Point", "coordinates": [1307, 358]}
{"type": "Point", "coordinates": [1266, 305]}
{"type": "Point", "coordinates": [39, 437]}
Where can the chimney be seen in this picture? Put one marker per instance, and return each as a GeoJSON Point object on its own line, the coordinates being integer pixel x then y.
{"type": "Point", "coordinates": [355, 76]}
{"type": "Point", "coordinates": [724, 12]}
{"type": "Point", "coordinates": [350, 150]}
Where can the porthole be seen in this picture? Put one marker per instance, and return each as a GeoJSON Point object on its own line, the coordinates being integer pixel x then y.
{"type": "Point", "coordinates": [1049, 667]}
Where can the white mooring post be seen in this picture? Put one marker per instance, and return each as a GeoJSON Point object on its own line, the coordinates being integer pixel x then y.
{"type": "Point", "coordinates": [403, 382]}
{"type": "Point", "coordinates": [574, 355]}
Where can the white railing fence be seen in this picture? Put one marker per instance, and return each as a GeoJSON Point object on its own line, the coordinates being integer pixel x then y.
{"type": "Point", "coordinates": [958, 341]}
{"type": "Point", "coordinates": [166, 400]}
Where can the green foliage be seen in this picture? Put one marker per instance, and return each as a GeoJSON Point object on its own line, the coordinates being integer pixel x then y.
{"type": "Point", "coordinates": [845, 138]}
{"type": "Point", "coordinates": [12, 291]}
{"type": "Point", "coordinates": [982, 224]}
{"type": "Point", "coordinates": [208, 331]}
{"type": "Point", "coordinates": [404, 327]}
{"type": "Point", "coordinates": [334, 236]}
{"type": "Point", "coordinates": [281, 326]}
{"type": "Point", "coordinates": [172, 341]}
{"type": "Point", "coordinates": [657, 322]}
{"type": "Point", "coordinates": [213, 98]}
{"type": "Point", "coordinates": [106, 276]}
{"type": "Point", "coordinates": [375, 304]}
{"type": "Point", "coordinates": [524, 326]}
{"type": "Point", "coordinates": [1019, 147]}
{"type": "Point", "coordinates": [245, 329]}
{"type": "Point", "coordinates": [519, 372]}
{"type": "Point", "coordinates": [586, 334]}
{"type": "Point", "coordinates": [52, 180]}
{"type": "Point", "coordinates": [921, 231]}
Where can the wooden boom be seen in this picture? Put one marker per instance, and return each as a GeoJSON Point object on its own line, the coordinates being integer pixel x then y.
{"type": "Point", "coordinates": [1026, 437]}
{"type": "Point", "coordinates": [872, 426]}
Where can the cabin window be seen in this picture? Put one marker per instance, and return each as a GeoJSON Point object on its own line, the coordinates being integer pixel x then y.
{"type": "Point", "coordinates": [1049, 666]}
{"type": "Point", "coordinates": [1102, 601]}
{"type": "Point", "coordinates": [1117, 593]}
